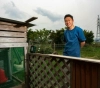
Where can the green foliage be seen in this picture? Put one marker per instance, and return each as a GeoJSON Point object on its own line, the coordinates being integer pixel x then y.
{"type": "Point", "coordinates": [89, 36]}
{"type": "Point", "coordinates": [57, 36]}
{"type": "Point", "coordinates": [45, 49]}
{"type": "Point", "coordinates": [43, 35]}
{"type": "Point", "coordinates": [39, 36]}
{"type": "Point", "coordinates": [30, 35]}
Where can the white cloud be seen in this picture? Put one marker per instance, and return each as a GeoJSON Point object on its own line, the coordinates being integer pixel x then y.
{"type": "Point", "coordinates": [52, 16]}
{"type": "Point", "coordinates": [85, 12]}
{"type": "Point", "coordinates": [9, 10]}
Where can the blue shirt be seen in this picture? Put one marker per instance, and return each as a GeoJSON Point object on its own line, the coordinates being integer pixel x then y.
{"type": "Point", "coordinates": [73, 38]}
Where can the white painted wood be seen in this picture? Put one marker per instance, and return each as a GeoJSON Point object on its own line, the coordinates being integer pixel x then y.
{"type": "Point", "coordinates": [12, 28]}
{"type": "Point", "coordinates": [11, 40]}
{"type": "Point", "coordinates": [12, 34]}
{"type": "Point", "coordinates": [68, 57]}
{"type": "Point", "coordinates": [8, 45]}
{"type": "Point", "coordinates": [75, 58]}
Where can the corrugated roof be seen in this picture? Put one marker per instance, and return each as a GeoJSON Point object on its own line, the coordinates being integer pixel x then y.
{"type": "Point", "coordinates": [26, 23]}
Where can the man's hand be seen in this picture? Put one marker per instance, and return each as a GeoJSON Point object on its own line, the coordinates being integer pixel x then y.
{"type": "Point", "coordinates": [82, 44]}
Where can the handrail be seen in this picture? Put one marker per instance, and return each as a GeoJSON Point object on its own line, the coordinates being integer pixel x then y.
{"type": "Point", "coordinates": [69, 57]}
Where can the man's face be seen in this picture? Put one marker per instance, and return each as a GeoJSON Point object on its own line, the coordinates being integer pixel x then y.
{"type": "Point", "coordinates": [69, 22]}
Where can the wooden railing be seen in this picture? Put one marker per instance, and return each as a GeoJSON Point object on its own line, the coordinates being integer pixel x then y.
{"type": "Point", "coordinates": [57, 71]}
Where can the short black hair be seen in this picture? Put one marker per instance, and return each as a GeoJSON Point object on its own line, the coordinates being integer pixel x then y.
{"type": "Point", "coordinates": [68, 15]}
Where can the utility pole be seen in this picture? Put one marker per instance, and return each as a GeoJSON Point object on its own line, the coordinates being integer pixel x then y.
{"type": "Point", "coordinates": [98, 30]}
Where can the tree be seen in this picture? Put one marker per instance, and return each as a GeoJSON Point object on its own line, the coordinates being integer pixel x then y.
{"type": "Point", "coordinates": [30, 35]}
{"type": "Point", "coordinates": [57, 36]}
{"type": "Point", "coordinates": [40, 36]}
{"type": "Point", "coordinates": [89, 36]}
{"type": "Point", "coordinates": [43, 35]}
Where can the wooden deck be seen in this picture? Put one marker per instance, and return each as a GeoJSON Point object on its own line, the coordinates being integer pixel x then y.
{"type": "Point", "coordinates": [57, 71]}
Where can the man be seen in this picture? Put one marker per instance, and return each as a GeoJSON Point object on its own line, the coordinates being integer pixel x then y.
{"type": "Point", "coordinates": [73, 36]}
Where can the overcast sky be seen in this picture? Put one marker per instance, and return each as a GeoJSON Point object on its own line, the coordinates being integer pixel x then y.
{"type": "Point", "coordinates": [50, 13]}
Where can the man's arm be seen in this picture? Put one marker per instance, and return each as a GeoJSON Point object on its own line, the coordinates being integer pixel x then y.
{"type": "Point", "coordinates": [82, 44]}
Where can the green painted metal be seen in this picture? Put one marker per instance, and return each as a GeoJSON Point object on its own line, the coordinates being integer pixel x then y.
{"type": "Point", "coordinates": [11, 60]}
{"type": "Point", "coordinates": [17, 58]}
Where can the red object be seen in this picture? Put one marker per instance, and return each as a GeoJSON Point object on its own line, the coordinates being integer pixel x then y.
{"type": "Point", "coordinates": [3, 77]}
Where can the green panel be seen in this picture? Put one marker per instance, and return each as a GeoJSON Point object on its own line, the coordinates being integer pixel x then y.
{"type": "Point", "coordinates": [17, 58]}
{"type": "Point", "coordinates": [11, 60]}
{"type": "Point", "coordinates": [5, 65]}
{"type": "Point", "coordinates": [4, 61]}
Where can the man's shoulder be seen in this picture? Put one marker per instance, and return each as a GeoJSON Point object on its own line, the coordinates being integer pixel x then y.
{"type": "Point", "coordinates": [78, 28]}
{"type": "Point", "coordinates": [65, 29]}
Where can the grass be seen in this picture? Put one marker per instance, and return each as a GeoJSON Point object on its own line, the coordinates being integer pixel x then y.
{"type": "Point", "coordinates": [91, 52]}
{"type": "Point", "coordinates": [88, 51]}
